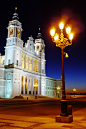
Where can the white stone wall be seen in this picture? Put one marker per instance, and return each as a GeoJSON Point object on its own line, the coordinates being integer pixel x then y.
{"type": "Point", "coordinates": [51, 87]}
{"type": "Point", "coordinates": [8, 83]}
{"type": "Point", "coordinates": [2, 82]}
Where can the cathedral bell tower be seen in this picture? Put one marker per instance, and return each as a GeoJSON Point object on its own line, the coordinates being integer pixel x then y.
{"type": "Point", "coordinates": [40, 51]}
{"type": "Point", "coordinates": [14, 28]}
{"type": "Point", "coordinates": [14, 42]}
{"type": "Point", "coordinates": [39, 44]}
{"type": "Point", "coordinates": [13, 56]}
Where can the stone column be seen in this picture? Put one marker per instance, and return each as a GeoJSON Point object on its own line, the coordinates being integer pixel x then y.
{"type": "Point", "coordinates": [32, 87]}
{"type": "Point", "coordinates": [39, 86]}
{"type": "Point", "coordinates": [32, 64]}
{"type": "Point", "coordinates": [44, 67]}
{"type": "Point", "coordinates": [14, 31]}
{"type": "Point", "coordinates": [38, 89]}
{"type": "Point", "coordinates": [35, 65]}
{"type": "Point", "coordinates": [25, 62]}
{"type": "Point", "coordinates": [38, 66]}
{"type": "Point", "coordinates": [20, 58]}
{"type": "Point", "coordinates": [8, 32]}
{"type": "Point", "coordinates": [20, 83]}
{"type": "Point", "coordinates": [28, 61]}
{"type": "Point", "coordinates": [28, 85]}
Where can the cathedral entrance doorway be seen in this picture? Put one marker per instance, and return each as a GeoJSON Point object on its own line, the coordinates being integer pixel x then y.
{"type": "Point", "coordinates": [26, 85]}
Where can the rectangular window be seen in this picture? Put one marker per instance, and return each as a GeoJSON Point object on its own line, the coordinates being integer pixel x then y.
{"type": "Point", "coordinates": [33, 64]}
{"type": "Point", "coordinates": [17, 63]}
{"type": "Point", "coordinates": [26, 62]}
{"type": "Point", "coordinates": [36, 65]}
{"type": "Point", "coordinates": [23, 60]}
{"type": "Point", "coordinates": [30, 65]}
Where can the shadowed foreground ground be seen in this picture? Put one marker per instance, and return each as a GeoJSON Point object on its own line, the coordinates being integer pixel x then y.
{"type": "Point", "coordinates": [36, 107]}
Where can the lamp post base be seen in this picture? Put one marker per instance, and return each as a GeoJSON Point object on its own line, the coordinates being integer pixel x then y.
{"type": "Point", "coordinates": [64, 108]}
{"type": "Point", "coordinates": [64, 119]}
{"type": "Point", "coordinates": [66, 113]}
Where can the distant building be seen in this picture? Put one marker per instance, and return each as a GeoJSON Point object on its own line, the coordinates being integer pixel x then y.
{"type": "Point", "coordinates": [23, 67]}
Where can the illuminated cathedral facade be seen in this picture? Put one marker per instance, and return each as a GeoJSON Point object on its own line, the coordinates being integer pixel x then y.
{"type": "Point", "coordinates": [23, 66]}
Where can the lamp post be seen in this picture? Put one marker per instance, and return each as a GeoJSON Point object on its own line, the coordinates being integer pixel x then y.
{"type": "Point", "coordinates": [35, 86]}
{"type": "Point", "coordinates": [58, 88]}
{"type": "Point", "coordinates": [62, 42]}
{"type": "Point", "coordinates": [74, 91]}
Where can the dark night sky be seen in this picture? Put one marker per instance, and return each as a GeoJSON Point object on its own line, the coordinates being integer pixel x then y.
{"type": "Point", "coordinates": [46, 14]}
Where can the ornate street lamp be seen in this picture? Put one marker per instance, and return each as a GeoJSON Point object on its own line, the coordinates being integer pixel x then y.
{"type": "Point", "coordinates": [74, 91]}
{"type": "Point", "coordinates": [58, 88]}
{"type": "Point", "coordinates": [62, 42]}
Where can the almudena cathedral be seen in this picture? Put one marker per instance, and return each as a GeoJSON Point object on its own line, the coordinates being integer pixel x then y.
{"type": "Point", "coordinates": [23, 66]}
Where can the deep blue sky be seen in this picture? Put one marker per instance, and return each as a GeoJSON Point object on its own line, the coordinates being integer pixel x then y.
{"type": "Point", "coordinates": [46, 14]}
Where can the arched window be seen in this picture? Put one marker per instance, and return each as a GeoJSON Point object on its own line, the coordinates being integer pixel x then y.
{"type": "Point", "coordinates": [36, 65]}
{"type": "Point", "coordinates": [42, 48]}
{"type": "Point", "coordinates": [37, 48]}
{"type": "Point", "coordinates": [11, 31]}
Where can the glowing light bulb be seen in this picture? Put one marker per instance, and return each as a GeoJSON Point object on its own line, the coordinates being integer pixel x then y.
{"type": "Point", "coordinates": [61, 25]}
{"type": "Point", "coordinates": [52, 32]}
{"type": "Point", "coordinates": [56, 37]}
{"type": "Point", "coordinates": [71, 36]}
{"type": "Point", "coordinates": [66, 55]}
{"type": "Point", "coordinates": [74, 89]}
{"type": "Point", "coordinates": [68, 30]}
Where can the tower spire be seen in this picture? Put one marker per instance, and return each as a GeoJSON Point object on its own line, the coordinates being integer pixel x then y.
{"type": "Point", "coordinates": [15, 15]}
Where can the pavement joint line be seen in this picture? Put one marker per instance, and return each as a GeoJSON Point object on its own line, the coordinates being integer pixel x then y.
{"type": "Point", "coordinates": [22, 121]}
{"type": "Point", "coordinates": [67, 126]}
{"type": "Point", "coordinates": [34, 125]}
{"type": "Point", "coordinates": [9, 124]}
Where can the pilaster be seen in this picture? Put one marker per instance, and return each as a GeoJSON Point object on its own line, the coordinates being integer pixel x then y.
{"type": "Point", "coordinates": [24, 86]}
{"type": "Point", "coordinates": [25, 62]}
{"type": "Point", "coordinates": [32, 64]}
{"type": "Point", "coordinates": [35, 65]}
{"type": "Point", "coordinates": [28, 62]}
{"type": "Point", "coordinates": [32, 87]}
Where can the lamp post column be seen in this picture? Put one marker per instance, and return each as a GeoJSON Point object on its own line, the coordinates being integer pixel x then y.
{"type": "Point", "coordinates": [63, 78]}
{"type": "Point", "coordinates": [63, 101]}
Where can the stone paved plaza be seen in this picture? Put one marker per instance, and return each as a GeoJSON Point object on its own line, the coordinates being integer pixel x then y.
{"type": "Point", "coordinates": [14, 120]}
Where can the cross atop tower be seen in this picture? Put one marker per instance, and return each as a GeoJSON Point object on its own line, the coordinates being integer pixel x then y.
{"type": "Point", "coordinates": [39, 34]}
{"type": "Point", "coordinates": [15, 15]}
